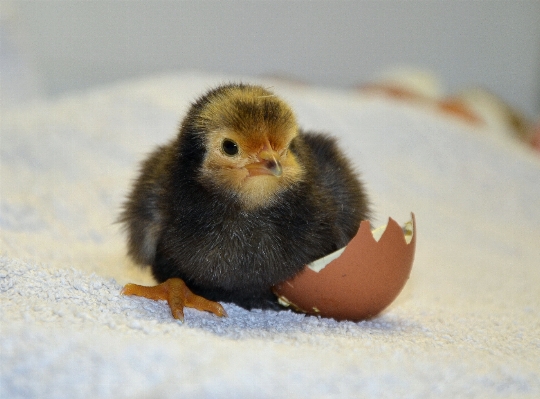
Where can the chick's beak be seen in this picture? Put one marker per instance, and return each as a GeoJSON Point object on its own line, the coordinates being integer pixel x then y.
{"type": "Point", "coordinates": [268, 165]}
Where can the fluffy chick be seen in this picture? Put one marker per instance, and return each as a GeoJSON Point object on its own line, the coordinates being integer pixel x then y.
{"type": "Point", "coordinates": [240, 200]}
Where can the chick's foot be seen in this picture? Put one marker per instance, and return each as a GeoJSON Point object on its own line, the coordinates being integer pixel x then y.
{"type": "Point", "coordinates": [177, 295]}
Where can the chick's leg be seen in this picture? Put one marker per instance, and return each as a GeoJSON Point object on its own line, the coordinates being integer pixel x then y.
{"type": "Point", "coordinates": [178, 296]}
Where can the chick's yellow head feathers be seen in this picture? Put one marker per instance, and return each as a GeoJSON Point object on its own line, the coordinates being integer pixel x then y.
{"type": "Point", "coordinates": [248, 133]}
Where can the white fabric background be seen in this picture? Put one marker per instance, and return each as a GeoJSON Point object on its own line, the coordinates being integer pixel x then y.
{"type": "Point", "coordinates": [467, 323]}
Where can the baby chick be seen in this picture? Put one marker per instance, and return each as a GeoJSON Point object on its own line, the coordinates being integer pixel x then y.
{"type": "Point", "coordinates": [240, 200]}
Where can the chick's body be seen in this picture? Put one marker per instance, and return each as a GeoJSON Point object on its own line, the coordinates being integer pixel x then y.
{"type": "Point", "coordinates": [241, 199]}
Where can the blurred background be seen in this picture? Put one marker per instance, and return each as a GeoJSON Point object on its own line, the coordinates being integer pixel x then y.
{"type": "Point", "coordinates": [49, 48]}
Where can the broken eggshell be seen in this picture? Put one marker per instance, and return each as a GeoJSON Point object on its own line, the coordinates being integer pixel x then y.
{"type": "Point", "coordinates": [358, 281]}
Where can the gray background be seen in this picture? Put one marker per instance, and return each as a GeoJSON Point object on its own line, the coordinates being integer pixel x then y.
{"type": "Point", "coordinates": [74, 45]}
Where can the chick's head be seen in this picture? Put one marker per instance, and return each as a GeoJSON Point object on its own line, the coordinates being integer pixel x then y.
{"type": "Point", "coordinates": [248, 134]}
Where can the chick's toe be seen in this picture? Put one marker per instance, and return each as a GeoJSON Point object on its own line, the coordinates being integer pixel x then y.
{"type": "Point", "coordinates": [177, 295]}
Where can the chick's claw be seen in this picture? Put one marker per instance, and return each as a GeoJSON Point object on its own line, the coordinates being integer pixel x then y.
{"type": "Point", "coordinates": [177, 295]}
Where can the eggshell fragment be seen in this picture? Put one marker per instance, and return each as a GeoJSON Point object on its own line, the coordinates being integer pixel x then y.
{"type": "Point", "coordinates": [361, 281]}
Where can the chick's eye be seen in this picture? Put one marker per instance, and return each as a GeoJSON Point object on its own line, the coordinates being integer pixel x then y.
{"type": "Point", "coordinates": [229, 147]}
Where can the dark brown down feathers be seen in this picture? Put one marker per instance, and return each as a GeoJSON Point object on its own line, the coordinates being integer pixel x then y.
{"type": "Point", "coordinates": [241, 199]}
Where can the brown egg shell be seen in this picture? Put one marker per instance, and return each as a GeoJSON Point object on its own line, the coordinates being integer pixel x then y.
{"type": "Point", "coordinates": [361, 282]}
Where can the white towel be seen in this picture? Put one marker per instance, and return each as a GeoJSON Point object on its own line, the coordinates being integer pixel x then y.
{"type": "Point", "coordinates": [466, 325]}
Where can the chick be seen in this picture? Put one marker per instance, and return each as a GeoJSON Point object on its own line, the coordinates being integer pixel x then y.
{"type": "Point", "coordinates": [240, 200]}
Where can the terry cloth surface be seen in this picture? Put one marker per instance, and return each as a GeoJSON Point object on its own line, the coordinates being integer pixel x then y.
{"type": "Point", "coordinates": [466, 325]}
